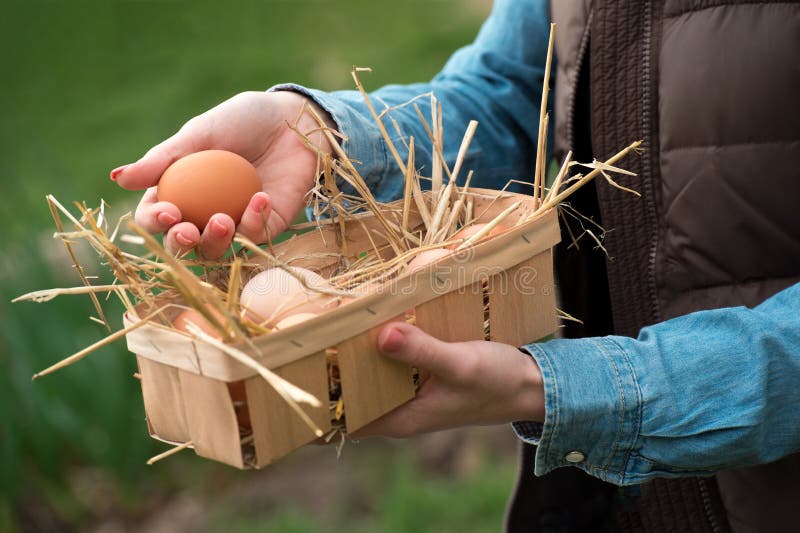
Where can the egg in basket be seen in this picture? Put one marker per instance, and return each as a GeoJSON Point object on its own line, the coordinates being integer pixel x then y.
{"type": "Point", "coordinates": [251, 356]}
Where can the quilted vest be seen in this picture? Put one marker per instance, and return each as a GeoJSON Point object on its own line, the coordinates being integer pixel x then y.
{"type": "Point", "coordinates": [711, 87]}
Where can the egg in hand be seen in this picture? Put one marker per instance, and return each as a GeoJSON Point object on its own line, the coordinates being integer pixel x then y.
{"type": "Point", "coordinates": [208, 182]}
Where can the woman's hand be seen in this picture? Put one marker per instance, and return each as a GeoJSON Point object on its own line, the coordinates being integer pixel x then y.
{"type": "Point", "coordinates": [468, 383]}
{"type": "Point", "coordinates": [255, 126]}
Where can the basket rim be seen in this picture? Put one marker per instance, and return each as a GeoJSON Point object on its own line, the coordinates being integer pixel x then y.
{"type": "Point", "coordinates": [380, 305]}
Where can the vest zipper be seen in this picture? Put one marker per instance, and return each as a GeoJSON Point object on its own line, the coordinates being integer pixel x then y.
{"type": "Point", "coordinates": [647, 175]}
{"type": "Point", "coordinates": [647, 182]}
{"type": "Point", "coordinates": [703, 484]}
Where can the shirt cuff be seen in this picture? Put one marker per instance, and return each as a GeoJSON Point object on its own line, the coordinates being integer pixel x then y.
{"type": "Point", "coordinates": [362, 140]}
{"type": "Point", "coordinates": [592, 409]}
{"type": "Point", "coordinates": [528, 431]}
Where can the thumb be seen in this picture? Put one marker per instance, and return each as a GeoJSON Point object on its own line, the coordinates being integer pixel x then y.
{"type": "Point", "coordinates": [413, 346]}
{"type": "Point", "coordinates": [146, 172]}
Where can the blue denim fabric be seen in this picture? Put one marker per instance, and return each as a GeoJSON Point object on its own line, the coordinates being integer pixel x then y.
{"type": "Point", "coordinates": [703, 392]}
{"type": "Point", "coordinates": [497, 80]}
{"type": "Point", "coordinates": [690, 396]}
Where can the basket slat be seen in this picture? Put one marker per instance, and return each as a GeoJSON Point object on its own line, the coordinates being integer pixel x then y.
{"type": "Point", "coordinates": [372, 384]}
{"type": "Point", "coordinates": [277, 430]}
{"type": "Point", "coordinates": [522, 302]}
{"type": "Point", "coordinates": [454, 317]}
{"type": "Point", "coordinates": [211, 419]}
{"type": "Point", "coordinates": [161, 391]}
{"type": "Point", "coordinates": [277, 349]}
{"type": "Point", "coordinates": [202, 383]}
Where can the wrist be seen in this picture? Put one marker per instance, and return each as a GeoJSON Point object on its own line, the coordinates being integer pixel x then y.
{"type": "Point", "coordinates": [315, 113]}
{"type": "Point", "coordinates": [313, 121]}
{"type": "Point", "coordinates": [530, 405]}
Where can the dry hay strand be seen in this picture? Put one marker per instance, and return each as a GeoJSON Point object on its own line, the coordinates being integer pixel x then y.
{"type": "Point", "coordinates": [145, 281]}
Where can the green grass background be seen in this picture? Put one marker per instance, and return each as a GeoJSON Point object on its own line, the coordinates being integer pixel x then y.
{"type": "Point", "coordinates": [89, 85]}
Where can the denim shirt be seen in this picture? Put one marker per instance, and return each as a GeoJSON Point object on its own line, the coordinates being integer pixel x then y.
{"type": "Point", "coordinates": [693, 395]}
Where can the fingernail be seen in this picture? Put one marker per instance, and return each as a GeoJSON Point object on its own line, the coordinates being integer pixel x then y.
{"type": "Point", "coordinates": [166, 219]}
{"type": "Point", "coordinates": [183, 241]}
{"type": "Point", "coordinates": [117, 171]}
{"type": "Point", "coordinates": [258, 203]}
{"type": "Point", "coordinates": [218, 229]}
{"type": "Point", "coordinates": [392, 340]}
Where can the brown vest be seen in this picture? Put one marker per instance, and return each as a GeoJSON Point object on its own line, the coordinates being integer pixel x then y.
{"type": "Point", "coordinates": [712, 87]}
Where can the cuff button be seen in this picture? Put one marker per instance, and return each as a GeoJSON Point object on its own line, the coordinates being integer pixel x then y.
{"type": "Point", "coordinates": [574, 457]}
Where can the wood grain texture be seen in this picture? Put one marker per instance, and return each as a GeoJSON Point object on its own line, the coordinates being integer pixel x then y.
{"type": "Point", "coordinates": [211, 419]}
{"type": "Point", "coordinates": [279, 348]}
{"type": "Point", "coordinates": [371, 383]}
{"type": "Point", "coordinates": [277, 430]}
{"type": "Point", "coordinates": [522, 302]}
{"type": "Point", "coordinates": [198, 404]}
{"type": "Point", "coordinates": [454, 317]}
{"type": "Point", "coordinates": [163, 405]}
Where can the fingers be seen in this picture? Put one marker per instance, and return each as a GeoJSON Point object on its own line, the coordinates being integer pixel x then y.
{"type": "Point", "coordinates": [181, 238]}
{"type": "Point", "coordinates": [213, 243]}
{"type": "Point", "coordinates": [413, 346]}
{"type": "Point", "coordinates": [216, 237]}
{"type": "Point", "coordinates": [162, 217]}
{"type": "Point", "coordinates": [192, 137]}
{"type": "Point", "coordinates": [155, 216]}
{"type": "Point", "coordinates": [429, 411]}
{"type": "Point", "coordinates": [399, 423]}
{"type": "Point", "coordinates": [256, 217]}
{"type": "Point", "coordinates": [218, 233]}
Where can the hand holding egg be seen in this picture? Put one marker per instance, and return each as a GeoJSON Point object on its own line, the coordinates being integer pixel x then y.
{"type": "Point", "coordinates": [254, 126]}
{"type": "Point", "coordinates": [209, 182]}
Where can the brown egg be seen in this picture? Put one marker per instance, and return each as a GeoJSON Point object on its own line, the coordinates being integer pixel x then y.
{"type": "Point", "coordinates": [275, 291]}
{"type": "Point", "coordinates": [208, 182]}
{"type": "Point", "coordinates": [181, 322]}
{"type": "Point", "coordinates": [292, 320]}
{"type": "Point", "coordinates": [425, 258]}
{"type": "Point", "coordinates": [469, 231]}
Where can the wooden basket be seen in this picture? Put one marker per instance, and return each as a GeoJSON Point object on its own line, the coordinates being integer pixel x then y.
{"type": "Point", "coordinates": [193, 391]}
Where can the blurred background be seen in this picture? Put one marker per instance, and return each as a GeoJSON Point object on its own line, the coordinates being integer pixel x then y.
{"type": "Point", "coordinates": [88, 85]}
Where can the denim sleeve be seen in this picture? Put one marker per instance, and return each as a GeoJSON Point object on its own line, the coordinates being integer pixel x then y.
{"type": "Point", "coordinates": [693, 395]}
{"type": "Point", "coordinates": [497, 80]}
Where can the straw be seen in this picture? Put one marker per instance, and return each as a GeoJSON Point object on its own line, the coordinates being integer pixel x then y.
{"type": "Point", "coordinates": [172, 451]}
{"type": "Point", "coordinates": [541, 152]}
{"type": "Point", "coordinates": [97, 345]}
{"type": "Point", "coordinates": [421, 221]}
{"type": "Point", "coordinates": [291, 394]}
